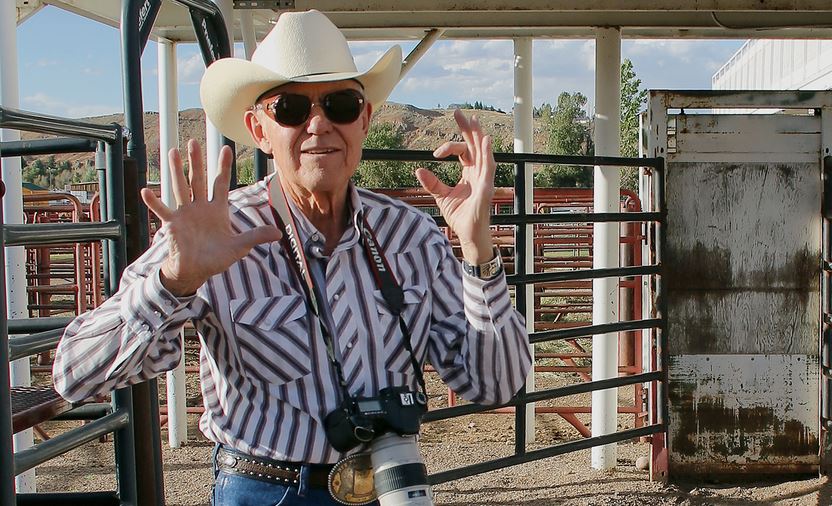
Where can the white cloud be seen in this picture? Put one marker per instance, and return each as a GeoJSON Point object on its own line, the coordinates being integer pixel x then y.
{"type": "Point", "coordinates": [587, 52]}
{"type": "Point", "coordinates": [367, 53]}
{"type": "Point", "coordinates": [682, 50]}
{"type": "Point", "coordinates": [45, 104]}
{"type": "Point", "coordinates": [190, 69]}
{"type": "Point", "coordinates": [43, 63]}
{"type": "Point", "coordinates": [480, 65]}
{"type": "Point", "coordinates": [366, 59]}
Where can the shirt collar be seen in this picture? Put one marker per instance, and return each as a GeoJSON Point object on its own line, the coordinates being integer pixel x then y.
{"type": "Point", "coordinates": [313, 240]}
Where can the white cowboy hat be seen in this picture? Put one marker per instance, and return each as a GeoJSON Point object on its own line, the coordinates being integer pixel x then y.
{"type": "Point", "coordinates": [302, 47]}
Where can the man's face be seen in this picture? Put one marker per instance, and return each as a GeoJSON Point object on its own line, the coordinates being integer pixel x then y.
{"type": "Point", "coordinates": [318, 155]}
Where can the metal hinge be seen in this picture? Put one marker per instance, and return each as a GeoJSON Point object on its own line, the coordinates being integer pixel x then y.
{"type": "Point", "coordinates": [264, 4]}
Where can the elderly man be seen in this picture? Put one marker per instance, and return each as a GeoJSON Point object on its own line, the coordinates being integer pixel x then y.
{"type": "Point", "coordinates": [310, 296]}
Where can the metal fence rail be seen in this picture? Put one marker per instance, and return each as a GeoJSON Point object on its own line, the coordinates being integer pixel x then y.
{"type": "Point", "coordinates": [656, 377]}
{"type": "Point", "coordinates": [48, 330]}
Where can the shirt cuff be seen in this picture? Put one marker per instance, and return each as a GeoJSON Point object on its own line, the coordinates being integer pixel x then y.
{"type": "Point", "coordinates": [148, 306]}
{"type": "Point", "coordinates": [487, 301]}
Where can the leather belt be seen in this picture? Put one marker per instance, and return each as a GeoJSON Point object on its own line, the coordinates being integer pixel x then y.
{"type": "Point", "coordinates": [272, 471]}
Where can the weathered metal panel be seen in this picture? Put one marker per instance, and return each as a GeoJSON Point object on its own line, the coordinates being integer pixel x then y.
{"type": "Point", "coordinates": [732, 322]}
{"type": "Point", "coordinates": [755, 137]}
{"type": "Point", "coordinates": [743, 290]}
{"type": "Point", "coordinates": [743, 251]}
{"type": "Point", "coordinates": [743, 414]}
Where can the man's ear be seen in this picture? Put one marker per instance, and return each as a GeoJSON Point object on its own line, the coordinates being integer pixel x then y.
{"type": "Point", "coordinates": [255, 128]}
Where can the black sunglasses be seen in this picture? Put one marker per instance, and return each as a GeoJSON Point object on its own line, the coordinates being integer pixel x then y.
{"type": "Point", "coordinates": [290, 109]}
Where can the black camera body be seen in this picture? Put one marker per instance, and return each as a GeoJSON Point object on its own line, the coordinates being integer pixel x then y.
{"type": "Point", "coordinates": [360, 420]}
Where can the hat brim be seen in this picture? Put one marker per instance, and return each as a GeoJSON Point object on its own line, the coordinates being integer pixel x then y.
{"type": "Point", "coordinates": [230, 86]}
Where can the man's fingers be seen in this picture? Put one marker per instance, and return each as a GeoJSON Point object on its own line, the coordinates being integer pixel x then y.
{"type": "Point", "coordinates": [488, 158]}
{"type": "Point", "coordinates": [258, 235]}
{"type": "Point", "coordinates": [459, 149]}
{"type": "Point", "coordinates": [476, 141]}
{"type": "Point", "coordinates": [465, 128]}
{"type": "Point", "coordinates": [156, 205]}
{"type": "Point", "coordinates": [196, 173]}
{"type": "Point", "coordinates": [431, 183]}
{"type": "Point", "coordinates": [181, 192]}
{"type": "Point", "coordinates": [223, 180]}
{"type": "Point", "coordinates": [449, 149]}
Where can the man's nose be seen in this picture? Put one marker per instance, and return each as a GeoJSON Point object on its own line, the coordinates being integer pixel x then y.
{"type": "Point", "coordinates": [318, 122]}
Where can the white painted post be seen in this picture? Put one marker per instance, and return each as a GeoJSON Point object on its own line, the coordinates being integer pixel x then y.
{"type": "Point", "coordinates": [523, 143]}
{"type": "Point", "coordinates": [13, 214]}
{"type": "Point", "coordinates": [247, 28]}
{"type": "Point", "coordinates": [213, 137]}
{"type": "Point", "coordinates": [606, 239]}
{"type": "Point", "coordinates": [169, 139]}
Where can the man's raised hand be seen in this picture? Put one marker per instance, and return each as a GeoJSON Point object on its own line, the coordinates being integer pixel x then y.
{"type": "Point", "coordinates": [201, 240]}
{"type": "Point", "coordinates": [466, 207]}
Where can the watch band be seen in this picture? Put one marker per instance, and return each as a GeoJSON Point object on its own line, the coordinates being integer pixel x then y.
{"type": "Point", "coordinates": [488, 270]}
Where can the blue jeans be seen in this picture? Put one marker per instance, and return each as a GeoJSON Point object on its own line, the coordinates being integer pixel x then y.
{"type": "Point", "coordinates": [235, 490]}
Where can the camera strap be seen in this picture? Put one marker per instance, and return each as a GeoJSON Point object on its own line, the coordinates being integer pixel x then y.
{"type": "Point", "coordinates": [382, 274]}
{"type": "Point", "coordinates": [290, 241]}
{"type": "Point", "coordinates": [392, 293]}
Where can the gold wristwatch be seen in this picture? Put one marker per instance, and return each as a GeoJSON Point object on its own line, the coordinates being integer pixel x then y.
{"type": "Point", "coordinates": [488, 270]}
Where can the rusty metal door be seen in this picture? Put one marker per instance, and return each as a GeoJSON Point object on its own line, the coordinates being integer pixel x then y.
{"type": "Point", "coordinates": [742, 266]}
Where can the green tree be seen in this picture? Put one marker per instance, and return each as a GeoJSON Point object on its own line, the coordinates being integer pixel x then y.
{"type": "Point", "coordinates": [569, 134]}
{"type": "Point", "coordinates": [385, 173]}
{"type": "Point", "coordinates": [245, 171]}
{"type": "Point", "coordinates": [633, 99]}
{"type": "Point", "coordinates": [84, 173]}
{"type": "Point", "coordinates": [34, 171]}
{"type": "Point", "coordinates": [544, 111]}
{"type": "Point", "coordinates": [504, 175]}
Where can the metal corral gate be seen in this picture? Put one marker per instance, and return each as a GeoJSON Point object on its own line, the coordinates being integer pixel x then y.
{"type": "Point", "coordinates": [655, 372]}
{"type": "Point", "coordinates": [133, 415]}
{"type": "Point", "coordinates": [743, 260]}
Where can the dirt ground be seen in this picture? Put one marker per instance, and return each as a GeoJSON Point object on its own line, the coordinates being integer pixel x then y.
{"type": "Point", "coordinates": [449, 444]}
{"type": "Point", "coordinates": [562, 480]}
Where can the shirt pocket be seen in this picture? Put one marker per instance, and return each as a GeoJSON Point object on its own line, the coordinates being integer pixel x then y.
{"type": "Point", "coordinates": [273, 337]}
{"type": "Point", "coordinates": [416, 313]}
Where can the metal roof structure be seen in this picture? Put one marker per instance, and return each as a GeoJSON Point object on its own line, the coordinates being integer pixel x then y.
{"type": "Point", "coordinates": [494, 19]}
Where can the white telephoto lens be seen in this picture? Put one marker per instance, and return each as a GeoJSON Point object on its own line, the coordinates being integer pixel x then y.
{"type": "Point", "coordinates": [399, 473]}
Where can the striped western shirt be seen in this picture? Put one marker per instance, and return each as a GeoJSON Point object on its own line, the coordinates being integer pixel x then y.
{"type": "Point", "coordinates": [267, 382]}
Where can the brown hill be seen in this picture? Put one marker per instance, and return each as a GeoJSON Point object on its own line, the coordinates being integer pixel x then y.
{"type": "Point", "coordinates": [422, 129]}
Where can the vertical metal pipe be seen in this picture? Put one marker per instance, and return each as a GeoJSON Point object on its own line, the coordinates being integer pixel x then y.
{"type": "Point", "coordinates": [247, 29]}
{"type": "Point", "coordinates": [145, 413]}
{"type": "Point", "coordinates": [523, 143]}
{"type": "Point", "coordinates": [7, 482]}
{"type": "Point", "coordinates": [169, 139]}
{"type": "Point", "coordinates": [213, 138]}
{"type": "Point", "coordinates": [15, 257]}
{"type": "Point", "coordinates": [520, 295]}
{"type": "Point", "coordinates": [606, 239]}
{"type": "Point", "coordinates": [112, 208]}
{"type": "Point", "coordinates": [8, 78]}
{"type": "Point", "coordinates": [101, 163]}
{"type": "Point", "coordinates": [131, 53]}
{"type": "Point", "coordinates": [661, 298]}
{"type": "Point", "coordinates": [646, 198]}
{"type": "Point", "coordinates": [826, 328]}
{"type": "Point", "coordinates": [168, 115]}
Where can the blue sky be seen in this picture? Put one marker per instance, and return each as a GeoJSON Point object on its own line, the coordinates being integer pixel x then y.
{"type": "Point", "coordinates": [70, 66]}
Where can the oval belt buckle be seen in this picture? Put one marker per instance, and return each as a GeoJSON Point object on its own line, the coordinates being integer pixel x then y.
{"type": "Point", "coordinates": [351, 480]}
